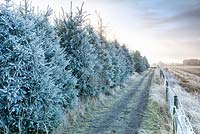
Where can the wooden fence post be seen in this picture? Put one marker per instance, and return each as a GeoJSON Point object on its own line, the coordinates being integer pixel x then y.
{"type": "Point", "coordinates": [174, 112]}
{"type": "Point", "coordinates": [167, 90]}
{"type": "Point", "coordinates": [160, 73]}
{"type": "Point", "coordinates": [167, 83]}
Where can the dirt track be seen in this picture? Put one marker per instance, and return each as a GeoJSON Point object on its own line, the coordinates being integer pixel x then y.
{"type": "Point", "coordinates": [126, 115]}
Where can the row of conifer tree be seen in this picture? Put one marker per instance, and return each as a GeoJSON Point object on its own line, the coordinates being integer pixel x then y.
{"type": "Point", "coordinates": [46, 68]}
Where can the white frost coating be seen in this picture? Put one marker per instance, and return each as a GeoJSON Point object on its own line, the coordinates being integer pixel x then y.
{"type": "Point", "coordinates": [191, 107]}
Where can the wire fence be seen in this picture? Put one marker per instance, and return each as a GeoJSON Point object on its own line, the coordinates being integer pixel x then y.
{"type": "Point", "coordinates": [179, 122]}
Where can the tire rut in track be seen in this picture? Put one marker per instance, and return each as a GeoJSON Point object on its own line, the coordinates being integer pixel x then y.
{"type": "Point", "coordinates": [137, 112]}
{"type": "Point", "coordinates": [100, 126]}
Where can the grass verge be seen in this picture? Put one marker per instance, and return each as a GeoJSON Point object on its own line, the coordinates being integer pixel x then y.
{"type": "Point", "coordinates": [155, 120]}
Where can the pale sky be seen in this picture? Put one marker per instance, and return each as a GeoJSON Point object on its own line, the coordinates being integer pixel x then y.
{"type": "Point", "coordinates": [162, 30]}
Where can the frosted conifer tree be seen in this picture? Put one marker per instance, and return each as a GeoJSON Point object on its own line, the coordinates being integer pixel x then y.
{"type": "Point", "coordinates": [129, 61]}
{"type": "Point", "coordinates": [138, 62]}
{"type": "Point", "coordinates": [75, 40]}
{"type": "Point", "coordinates": [141, 63]}
{"type": "Point", "coordinates": [54, 56]}
{"type": "Point", "coordinates": [28, 95]}
{"type": "Point", "coordinates": [146, 63]}
{"type": "Point", "coordinates": [116, 71]}
{"type": "Point", "coordinates": [104, 56]}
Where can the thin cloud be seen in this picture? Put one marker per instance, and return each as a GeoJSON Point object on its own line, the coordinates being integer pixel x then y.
{"type": "Point", "coordinates": [180, 18]}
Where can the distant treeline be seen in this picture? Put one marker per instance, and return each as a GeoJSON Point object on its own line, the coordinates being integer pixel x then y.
{"type": "Point", "coordinates": [192, 62]}
{"type": "Point", "coordinates": [45, 69]}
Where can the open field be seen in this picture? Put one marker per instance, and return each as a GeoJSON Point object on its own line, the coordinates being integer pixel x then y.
{"type": "Point", "coordinates": [188, 77]}
{"type": "Point", "coordinates": [190, 69]}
